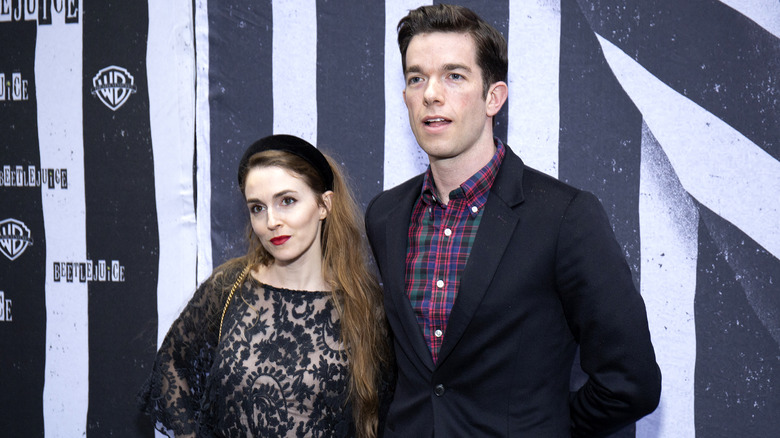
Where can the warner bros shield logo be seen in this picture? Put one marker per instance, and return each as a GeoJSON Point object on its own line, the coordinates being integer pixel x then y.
{"type": "Point", "coordinates": [14, 238]}
{"type": "Point", "coordinates": [113, 86]}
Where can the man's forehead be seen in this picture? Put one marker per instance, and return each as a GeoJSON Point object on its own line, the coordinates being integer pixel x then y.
{"type": "Point", "coordinates": [461, 40]}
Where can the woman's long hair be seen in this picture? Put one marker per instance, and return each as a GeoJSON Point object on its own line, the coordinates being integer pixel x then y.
{"type": "Point", "coordinates": [356, 292]}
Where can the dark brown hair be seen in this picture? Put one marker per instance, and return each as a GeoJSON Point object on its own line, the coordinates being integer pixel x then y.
{"type": "Point", "coordinates": [491, 45]}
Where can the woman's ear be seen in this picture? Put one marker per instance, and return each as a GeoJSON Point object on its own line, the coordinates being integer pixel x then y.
{"type": "Point", "coordinates": [327, 199]}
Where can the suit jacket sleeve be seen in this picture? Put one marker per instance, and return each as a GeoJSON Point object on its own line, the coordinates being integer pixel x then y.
{"type": "Point", "coordinates": [607, 317]}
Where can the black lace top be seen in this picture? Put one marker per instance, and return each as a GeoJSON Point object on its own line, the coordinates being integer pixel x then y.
{"type": "Point", "coordinates": [279, 370]}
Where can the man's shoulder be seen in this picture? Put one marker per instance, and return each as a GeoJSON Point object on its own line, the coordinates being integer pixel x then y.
{"type": "Point", "coordinates": [532, 183]}
{"type": "Point", "coordinates": [407, 189]}
{"type": "Point", "coordinates": [538, 179]}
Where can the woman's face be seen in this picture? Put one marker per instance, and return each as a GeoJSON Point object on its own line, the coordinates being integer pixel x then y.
{"type": "Point", "coordinates": [285, 215]}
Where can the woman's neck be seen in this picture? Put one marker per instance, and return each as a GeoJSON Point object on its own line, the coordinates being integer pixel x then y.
{"type": "Point", "coordinates": [306, 277]}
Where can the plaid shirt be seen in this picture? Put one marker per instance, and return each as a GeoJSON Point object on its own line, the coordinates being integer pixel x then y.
{"type": "Point", "coordinates": [440, 240]}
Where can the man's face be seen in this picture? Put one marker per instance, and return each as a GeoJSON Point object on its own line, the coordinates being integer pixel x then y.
{"type": "Point", "coordinates": [444, 95]}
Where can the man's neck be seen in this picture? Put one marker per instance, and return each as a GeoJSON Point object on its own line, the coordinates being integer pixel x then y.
{"type": "Point", "coordinates": [450, 173]}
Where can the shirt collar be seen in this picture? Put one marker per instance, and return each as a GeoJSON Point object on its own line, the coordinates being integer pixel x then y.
{"type": "Point", "coordinates": [475, 189]}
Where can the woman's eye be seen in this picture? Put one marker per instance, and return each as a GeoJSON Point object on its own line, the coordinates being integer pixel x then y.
{"type": "Point", "coordinates": [288, 201]}
{"type": "Point", "coordinates": [256, 209]}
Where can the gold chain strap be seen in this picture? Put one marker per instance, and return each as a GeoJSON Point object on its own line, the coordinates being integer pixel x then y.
{"type": "Point", "coordinates": [238, 283]}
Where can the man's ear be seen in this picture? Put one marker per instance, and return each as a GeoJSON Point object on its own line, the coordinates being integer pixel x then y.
{"type": "Point", "coordinates": [497, 95]}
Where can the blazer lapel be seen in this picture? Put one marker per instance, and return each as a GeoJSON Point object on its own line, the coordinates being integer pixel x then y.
{"type": "Point", "coordinates": [499, 221]}
{"type": "Point", "coordinates": [397, 241]}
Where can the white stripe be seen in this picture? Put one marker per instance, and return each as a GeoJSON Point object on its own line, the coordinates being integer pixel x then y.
{"type": "Point", "coordinates": [668, 224]}
{"type": "Point", "coordinates": [58, 81]}
{"type": "Point", "coordinates": [765, 13]}
{"type": "Point", "coordinates": [403, 157]}
{"type": "Point", "coordinates": [534, 59]}
{"type": "Point", "coordinates": [715, 163]}
{"type": "Point", "coordinates": [203, 141]}
{"type": "Point", "coordinates": [170, 68]}
{"type": "Point", "coordinates": [295, 68]}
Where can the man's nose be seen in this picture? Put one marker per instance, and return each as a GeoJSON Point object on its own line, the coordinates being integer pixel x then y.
{"type": "Point", "coordinates": [432, 93]}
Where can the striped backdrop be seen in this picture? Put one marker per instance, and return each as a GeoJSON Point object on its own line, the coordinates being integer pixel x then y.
{"type": "Point", "coordinates": [121, 128]}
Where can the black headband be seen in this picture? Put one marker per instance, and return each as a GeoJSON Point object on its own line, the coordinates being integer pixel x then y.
{"type": "Point", "coordinates": [293, 145]}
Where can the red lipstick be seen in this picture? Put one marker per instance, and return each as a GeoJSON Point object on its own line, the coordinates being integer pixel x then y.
{"type": "Point", "coordinates": [280, 240]}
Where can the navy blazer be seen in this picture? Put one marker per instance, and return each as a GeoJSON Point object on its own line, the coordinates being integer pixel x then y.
{"type": "Point", "coordinates": [545, 275]}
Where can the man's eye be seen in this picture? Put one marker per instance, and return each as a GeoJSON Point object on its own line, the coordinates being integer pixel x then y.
{"type": "Point", "coordinates": [456, 76]}
{"type": "Point", "coordinates": [413, 80]}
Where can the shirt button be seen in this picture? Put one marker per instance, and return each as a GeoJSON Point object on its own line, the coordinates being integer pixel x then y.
{"type": "Point", "coordinates": [438, 333]}
{"type": "Point", "coordinates": [474, 209]}
{"type": "Point", "coordinates": [448, 232]}
{"type": "Point", "coordinates": [439, 390]}
{"type": "Point", "coordinates": [440, 284]}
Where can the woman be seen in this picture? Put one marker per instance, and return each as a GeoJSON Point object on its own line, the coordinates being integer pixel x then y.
{"type": "Point", "coordinates": [288, 340]}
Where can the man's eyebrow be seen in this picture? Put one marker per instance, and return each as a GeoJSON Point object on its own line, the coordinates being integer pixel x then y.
{"type": "Point", "coordinates": [445, 67]}
{"type": "Point", "coordinates": [413, 69]}
{"type": "Point", "coordinates": [449, 67]}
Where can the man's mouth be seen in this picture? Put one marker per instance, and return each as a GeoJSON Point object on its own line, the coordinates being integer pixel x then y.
{"type": "Point", "coordinates": [280, 240]}
{"type": "Point", "coordinates": [435, 121]}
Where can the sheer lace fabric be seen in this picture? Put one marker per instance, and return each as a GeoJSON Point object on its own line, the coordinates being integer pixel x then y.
{"type": "Point", "coordinates": [279, 370]}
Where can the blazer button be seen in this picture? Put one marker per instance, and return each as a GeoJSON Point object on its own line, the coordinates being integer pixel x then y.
{"type": "Point", "coordinates": [439, 390]}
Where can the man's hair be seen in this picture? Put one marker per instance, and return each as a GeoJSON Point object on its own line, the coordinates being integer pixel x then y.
{"type": "Point", "coordinates": [490, 44]}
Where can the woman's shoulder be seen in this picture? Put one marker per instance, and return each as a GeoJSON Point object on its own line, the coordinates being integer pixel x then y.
{"type": "Point", "coordinates": [213, 289]}
{"type": "Point", "coordinates": [227, 272]}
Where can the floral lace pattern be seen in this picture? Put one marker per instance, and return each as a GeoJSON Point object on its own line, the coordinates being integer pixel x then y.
{"type": "Point", "coordinates": [278, 371]}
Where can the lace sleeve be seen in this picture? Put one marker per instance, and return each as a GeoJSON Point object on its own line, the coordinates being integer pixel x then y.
{"type": "Point", "coordinates": [172, 395]}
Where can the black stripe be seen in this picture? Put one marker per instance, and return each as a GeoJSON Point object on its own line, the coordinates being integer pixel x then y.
{"type": "Point", "coordinates": [241, 105]}
{"type": "Point", "coordinates": [22, 280]}
{"type": "Point", "coordinates": [350, 91]}
{"type": "Point", "coordinates": [495, 13]}
{"type": "Point", "coordinates": [706, 51]}
{"type": "Point", "coordinates": [121, 222]}
{"type": "Point", "coordinates": [756, 269]}
{"type": "Point", "coordinates": [737, 358]}
{"type": "Point", "coordinates": [600, 137]}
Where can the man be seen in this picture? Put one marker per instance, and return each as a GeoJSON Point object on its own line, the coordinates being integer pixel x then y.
{"type": "Point", "coordinates": [494, 273]}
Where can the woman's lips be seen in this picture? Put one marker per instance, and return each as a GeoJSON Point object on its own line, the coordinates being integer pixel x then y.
{"type": "Point", "coordinates": [280, 240]}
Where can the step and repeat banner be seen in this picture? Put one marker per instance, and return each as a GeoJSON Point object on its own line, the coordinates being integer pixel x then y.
{"type": "Point", "coordinates": [121, 127]}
